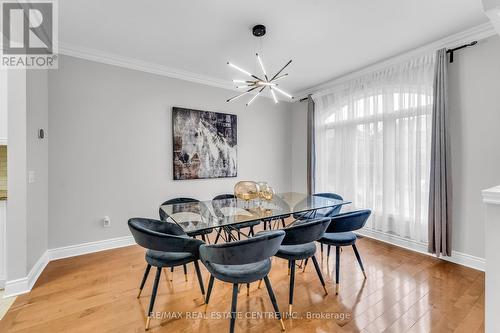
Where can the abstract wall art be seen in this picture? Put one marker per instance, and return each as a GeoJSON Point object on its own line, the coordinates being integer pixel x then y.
{"type": "Point", "coordinates": [204, 144]}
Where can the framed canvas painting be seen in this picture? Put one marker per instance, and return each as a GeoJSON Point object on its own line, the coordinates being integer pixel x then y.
{"type": "Point", "coordinates": [204, 144]}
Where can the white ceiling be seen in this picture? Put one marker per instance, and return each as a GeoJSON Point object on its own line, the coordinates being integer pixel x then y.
{"type": "Point", "coordinates": [325, 38]}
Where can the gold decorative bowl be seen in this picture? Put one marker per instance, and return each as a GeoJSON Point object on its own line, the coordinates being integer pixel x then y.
{"type": "Point", "coordinates": [246, 190]}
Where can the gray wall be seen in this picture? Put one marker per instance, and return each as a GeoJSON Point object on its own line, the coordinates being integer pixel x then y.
{"type": "Point", "coordinates": [37, 161]}
{"type": "Point", "coordinates": [110, 148]}
{"type": "Point", "coordinates": [299, 146]}
{"type": "Point", "coordinates": [16, 181]}
{"type": "Point", "coordinates": [474, 88]}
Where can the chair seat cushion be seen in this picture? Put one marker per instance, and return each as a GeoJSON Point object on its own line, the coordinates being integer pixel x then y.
{"type": "Point", "coordinates": [296, 252]}
{"type": "Point", "coordinates": [168, 259]}
{"type": "Point", "coordinates": [339, 238]}
{"type": "Point", "coordinates": [246, 273]}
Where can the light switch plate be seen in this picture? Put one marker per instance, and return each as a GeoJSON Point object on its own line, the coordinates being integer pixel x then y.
{"type": "Point", "coordinates": [31, 177]}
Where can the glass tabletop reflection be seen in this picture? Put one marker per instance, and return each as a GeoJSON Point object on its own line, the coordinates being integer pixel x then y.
{"type": "Point", "coordinates": [198, 216]}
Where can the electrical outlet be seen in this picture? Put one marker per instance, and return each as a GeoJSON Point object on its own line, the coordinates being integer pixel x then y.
{"type": "Point", "coordinates": [106, 222]}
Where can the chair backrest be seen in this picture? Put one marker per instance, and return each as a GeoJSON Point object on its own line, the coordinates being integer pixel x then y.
{"type": "Point", "coordinates": [305, 231]}
{"type": "Point", "coordinates": [221, 201]}
{"type": "Point", "coordinates": [349, 221]}
{"type": "Point", "coordinates": [162, 236]}
{"type": "Point", "coordinates": [224, 197]}
{"type": "Point", "coordinates": [333, 210]}
{"type": "Point", "coordinates": [262, 246]}
{"type": "Point", "coordinates": [164, 216]}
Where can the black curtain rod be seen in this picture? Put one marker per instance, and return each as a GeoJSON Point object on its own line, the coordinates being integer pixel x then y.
{"type": "Point", "coordinates": [452, 51]}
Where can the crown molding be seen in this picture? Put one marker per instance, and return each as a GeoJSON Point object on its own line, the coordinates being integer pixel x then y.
{"type": "Point", "coordinates": [139, 65]}
{"type": "Point", "coordinates": [478, 32]}
{"type": "Point", "coordinates": [147, 67]}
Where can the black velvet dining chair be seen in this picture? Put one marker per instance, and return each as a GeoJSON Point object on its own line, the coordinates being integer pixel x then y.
{"type": "Point", "coordinates": [325, 212]}
{"type": "Point", "coordinates": [203, 233]}
{"type": "Point", "coordinates": [299, 244]}
{"type": "Point", "coordinates": [250, 224]}
{"type": "Point", "coordinates": [164, 216]}
{"type": "Point", "coordinates": [242, 262]}
{"type": "Point", "coordinates": [340, 233]}
{"type": "Point", "coordinates": [268, 222]}
{"type": "Point", "coordinates": [320, 213]}
{"type": "Point", "coordinates": [167, 246]}
{"type": "Point", "coordinates": [328, 212]}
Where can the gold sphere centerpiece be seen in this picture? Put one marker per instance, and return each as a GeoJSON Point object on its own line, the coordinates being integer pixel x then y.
{"type": "Point", "coordinates": [266, 192]}
{"type": "Point", "coordinates": [247, 190]}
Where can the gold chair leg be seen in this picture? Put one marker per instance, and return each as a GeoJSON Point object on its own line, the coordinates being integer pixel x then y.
{"type": "Point", "coordinates": [326, 291]}
{"type": "Point", "coordinates": [185, 277]}
{"type": "Point", "coordinates": [337, 287]}
{"type": "Point", "coordinates": [248, 289]}
{"type": "Point", "coordinates": [290, 309]}
{"type": "Point", "coordinates": [147, 323]}
{"type": "Point", "coordinates": [260, 282]}
{"type": "Point", "coordinates": [139, 294]}
{"type": "Point", "coordinates": [282, 325]}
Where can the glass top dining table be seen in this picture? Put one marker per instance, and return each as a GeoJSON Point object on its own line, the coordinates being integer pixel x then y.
{"type": "Point", "coordinates": [203, 215]}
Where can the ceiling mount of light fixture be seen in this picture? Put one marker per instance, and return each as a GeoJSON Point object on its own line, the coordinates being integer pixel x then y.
{"type": "Point", "coordinates": [259, 30]}
{"type": "Point", "coordinates": [255, 82]}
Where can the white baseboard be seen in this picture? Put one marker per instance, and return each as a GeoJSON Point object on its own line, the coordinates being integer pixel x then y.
{"type": "Point", "coordinates": [456, 257]}
{"type": "Point", "coordinates": [91, 247]}
{"type": "Point", "coordinates": [24, 285]}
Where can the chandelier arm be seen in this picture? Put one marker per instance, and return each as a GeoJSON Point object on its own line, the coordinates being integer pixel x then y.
{"type": "Point", "coordinates": [244, 93]}
{"type": "Point", "coordinates": [239, 69]}
{"type": "Point", "coordinates": [284, 93]}
{"type": "Point", "coordinates": [274, 95]}
{"type": "Point", "coordinates": [262, 66]}
{"type": "Point", "coordinates": [256, 77]}
{"type": "Point", "coordinates": [281, 70]}
{"type": "Point", "coordinates": [244, 81]}
{"type": "Point", "coordinates": [279, 77]}
{"type": "Point", "coordinates": [257, 94]}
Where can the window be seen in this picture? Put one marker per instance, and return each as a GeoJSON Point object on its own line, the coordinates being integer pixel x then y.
{"type": "Point", "coordinates": [373, 141]}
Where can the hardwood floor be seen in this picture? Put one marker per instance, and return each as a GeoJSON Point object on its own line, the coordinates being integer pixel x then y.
{"type": "Point", "coordinates": [404, 292]}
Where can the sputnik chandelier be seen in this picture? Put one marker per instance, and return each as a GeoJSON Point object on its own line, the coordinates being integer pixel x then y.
{"type": "Point", "coordinates": [255, 82]}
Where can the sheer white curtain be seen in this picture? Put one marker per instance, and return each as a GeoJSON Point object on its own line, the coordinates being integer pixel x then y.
{"type": "Point", "coordinates": [372, 144]}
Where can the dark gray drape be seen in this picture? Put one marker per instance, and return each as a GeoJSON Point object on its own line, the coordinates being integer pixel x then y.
{"type": "Point", "coordinates": [440, 221]}
{"type": "Point", "coordinates": [310, 145]}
